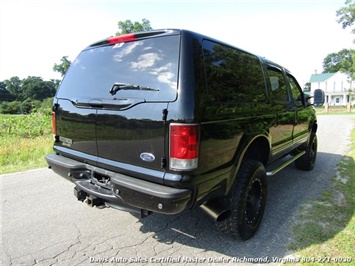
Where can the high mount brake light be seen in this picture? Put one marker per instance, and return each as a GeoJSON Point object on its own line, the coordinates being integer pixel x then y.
{"type": "Point", "coordinates": [129, 37]}
{"type": "Point", "coordinates": [184, 144]}
{"type": "Point", "coordinates": [122, 38]}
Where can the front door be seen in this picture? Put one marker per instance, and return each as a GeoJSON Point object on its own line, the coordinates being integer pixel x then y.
{"type": "Point", "coordinates": [282, 128]}
{"type": "Point", "coordinates": [300, 130]}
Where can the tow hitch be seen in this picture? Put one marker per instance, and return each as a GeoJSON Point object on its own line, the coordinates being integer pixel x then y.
{"type": "Point", "coordinates": [93, 201]}
{"type": "Point", "coordinates": [90, 200]}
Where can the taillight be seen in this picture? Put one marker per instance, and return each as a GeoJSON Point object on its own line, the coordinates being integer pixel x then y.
{"type": "Point", "coordinates": [54, 124]}
{"type": "Point", "coordinates": [184, 144]}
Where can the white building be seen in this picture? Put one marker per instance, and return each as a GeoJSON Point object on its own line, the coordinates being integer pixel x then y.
{"type": "Point", "coordinates": [335, 87]}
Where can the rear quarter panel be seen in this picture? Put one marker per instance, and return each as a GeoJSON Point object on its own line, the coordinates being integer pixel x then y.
{"type": "Point", "coordinates": [225, 129]}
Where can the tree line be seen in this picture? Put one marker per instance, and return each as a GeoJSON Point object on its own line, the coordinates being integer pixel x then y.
{"type": "Point", "coordinates": [23, 95]}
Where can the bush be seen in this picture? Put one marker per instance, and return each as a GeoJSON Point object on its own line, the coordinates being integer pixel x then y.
{"type": "Point", "coordinates": [10, 107]}
{"type": "Point", "coordinates": [46, 106]}
{"type": "Point", "coordinates": [26, 107]}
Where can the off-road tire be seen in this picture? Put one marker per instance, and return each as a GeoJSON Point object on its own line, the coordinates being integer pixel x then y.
{"type": "Point", "coordinates": [246, 201]}
{"type": "Point", "coordinates": [308, 160]}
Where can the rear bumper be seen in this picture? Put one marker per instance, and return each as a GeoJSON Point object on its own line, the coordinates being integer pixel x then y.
{"type": "Point", "coordinates": [119, 191]}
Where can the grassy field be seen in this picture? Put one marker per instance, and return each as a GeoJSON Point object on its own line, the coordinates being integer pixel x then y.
{"type": "Point", "coordinates": [324, 233]}
{"type": "Point", "coordinates": [24, 141]}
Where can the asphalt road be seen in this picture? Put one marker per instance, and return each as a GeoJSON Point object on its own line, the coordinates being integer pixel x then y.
{"type": "Point", "coordinates": [43, 224]}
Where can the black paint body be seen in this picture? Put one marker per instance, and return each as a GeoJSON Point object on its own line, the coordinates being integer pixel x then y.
{"type": "Point", "coordinates": [231, 94]}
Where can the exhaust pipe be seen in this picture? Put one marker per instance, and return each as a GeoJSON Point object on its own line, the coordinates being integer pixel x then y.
{"type": "Point", "coordinates": [216, 210]}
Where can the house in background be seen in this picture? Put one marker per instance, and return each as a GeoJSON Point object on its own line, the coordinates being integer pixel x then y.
{"type": "Point", "coordinates": [335, 87]}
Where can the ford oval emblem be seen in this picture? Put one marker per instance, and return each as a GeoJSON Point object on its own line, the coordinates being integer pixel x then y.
{"type": "Point", "coordinates": [147, 157]}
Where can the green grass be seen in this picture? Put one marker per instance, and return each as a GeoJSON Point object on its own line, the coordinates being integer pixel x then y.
{"type": "Point", "coordinates": [334, 110]}
{"type": "Point", "coordinates": [24, 141]}
{"type": "Point", "coordinates": [22, 154]}
{"type": "Point", "coordinates": [325, 227]}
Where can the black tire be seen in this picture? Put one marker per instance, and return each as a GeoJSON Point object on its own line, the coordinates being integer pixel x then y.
{"type": "Point", "coordinates": [308, 160]}
{"type": "Point", "coordinates": [246, 201]}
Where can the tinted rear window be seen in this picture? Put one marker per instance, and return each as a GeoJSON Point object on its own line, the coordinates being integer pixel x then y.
{"type": "Point", "coordinates": [150, 63]}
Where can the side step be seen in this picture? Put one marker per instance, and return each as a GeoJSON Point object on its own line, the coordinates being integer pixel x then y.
{"type": "Point", "coordinates": [282, 166]}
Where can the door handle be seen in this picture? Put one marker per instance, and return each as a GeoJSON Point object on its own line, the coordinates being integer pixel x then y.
{"type": "Point", "coordinates": [95, 103]}
{"type": "Point", "coordinates": [119, 104]}
{"type": "Point", "coordinates": [112, 104]}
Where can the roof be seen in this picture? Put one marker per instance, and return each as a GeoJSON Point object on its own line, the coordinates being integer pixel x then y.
{"type": "Point", "coordinates": [320, 77]}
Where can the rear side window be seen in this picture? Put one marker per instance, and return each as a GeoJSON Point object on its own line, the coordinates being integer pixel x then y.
{"type": "Point", "coordinates": [233, 76]}
{"type": "Point", "coordinates": [149, 63]}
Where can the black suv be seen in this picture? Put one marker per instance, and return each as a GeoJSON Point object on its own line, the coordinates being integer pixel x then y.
{"type": "Point", "coordinates": [168, 120]}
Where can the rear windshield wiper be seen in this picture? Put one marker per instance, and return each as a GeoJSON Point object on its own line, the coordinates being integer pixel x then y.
{"type": "Point", "coordinates": [124, 86]}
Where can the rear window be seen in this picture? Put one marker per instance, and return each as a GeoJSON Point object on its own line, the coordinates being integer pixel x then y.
{"type": "Point", "coordinates": [149, 63]}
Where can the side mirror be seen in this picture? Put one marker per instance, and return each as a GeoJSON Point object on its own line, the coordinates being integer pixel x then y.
{"type": "Point", "coordinates": [319, 97]}
{"type": "Point", "coordinates": [307, 99]}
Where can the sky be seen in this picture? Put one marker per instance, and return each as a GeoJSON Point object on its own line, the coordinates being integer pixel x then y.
{"type": "Point", "coordinates": [297, 34]}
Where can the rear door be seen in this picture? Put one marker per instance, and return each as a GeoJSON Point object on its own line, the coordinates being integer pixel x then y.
{"type": "Point", "coordinates": [133, 83]}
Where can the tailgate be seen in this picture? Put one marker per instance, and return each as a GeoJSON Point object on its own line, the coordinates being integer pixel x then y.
{"type": "Point", "coordinates": [76, 136]}
{"type": "Point", "coordinates": [123, 88]}
{"type": "Point", "coordinates": [134, 137]}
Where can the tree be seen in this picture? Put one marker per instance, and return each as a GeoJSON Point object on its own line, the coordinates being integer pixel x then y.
{"type": "Point", "coordinates": [128, 26]}
{"type": "Point", "coordinates": [340, 61]}
{"type": "Point", "coordinates": [5, 95]}
{"type": "Point", "coordinates": [347, 14]}
{"type": "Point", "coordinates": [13, 86]}
{"type": "Point", "coordinates": [34, 88]}
{"type": "Point", "coordinates": [347, 18]}
{"type": "Point", "coordinates": [56, 83]}
{"type": "Point", "coordinates": [63, 66]}
{"type": "Point", "coordinates": [307, 87]}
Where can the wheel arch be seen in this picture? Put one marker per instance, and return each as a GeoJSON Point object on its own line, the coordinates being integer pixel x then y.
{"type": "Point", "coordinates": [258, 149]}
{"type": "Point", "coordinates": [314, 127]}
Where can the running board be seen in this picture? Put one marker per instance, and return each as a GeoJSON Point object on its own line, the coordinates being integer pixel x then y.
{"type": "Point", "coordinates": [282, 166]}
